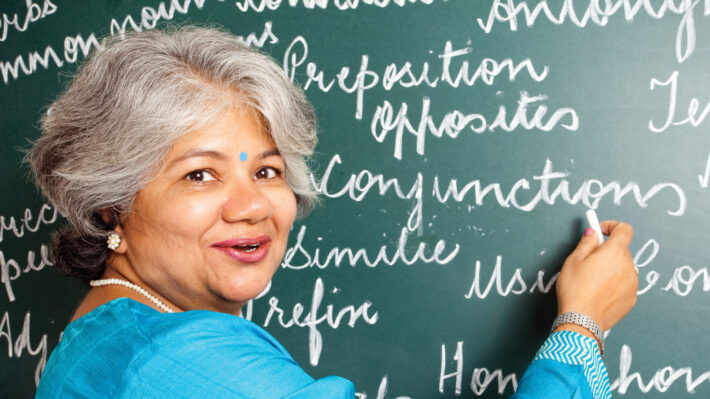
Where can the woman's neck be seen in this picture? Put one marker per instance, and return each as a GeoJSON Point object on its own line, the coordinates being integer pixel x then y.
{"type": "Point", "coordinates": [100, 295]}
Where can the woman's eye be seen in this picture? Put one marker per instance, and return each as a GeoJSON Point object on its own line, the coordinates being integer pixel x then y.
{"type": "Point", "coordinates": [200, 176]}
{"type": "Point", "coordinates": [267, 173]}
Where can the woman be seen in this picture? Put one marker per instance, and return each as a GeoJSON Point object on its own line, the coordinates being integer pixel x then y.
{"type": "Point", "coordinates": [179, 159]}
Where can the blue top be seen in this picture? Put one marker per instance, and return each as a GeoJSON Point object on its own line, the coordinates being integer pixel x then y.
{"type": "Point", "coordinates": [568, 365]}
{"type": "Point", "coordinates": [124, 349]}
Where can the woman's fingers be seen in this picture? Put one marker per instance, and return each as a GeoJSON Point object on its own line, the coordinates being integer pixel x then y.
{"type": "Point", "coordinates": [619, 233]}
{"type": "Point", "coordinates": [599, 281]}
{"type": "Point", "coordinates": [586, 245]}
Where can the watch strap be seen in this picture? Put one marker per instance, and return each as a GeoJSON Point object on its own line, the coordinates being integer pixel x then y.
{"type": "Point", "coordinates": [581, 320]}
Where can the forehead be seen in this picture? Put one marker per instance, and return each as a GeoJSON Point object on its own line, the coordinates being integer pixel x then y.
{"type": "Point", "coordinates": [237, 130]}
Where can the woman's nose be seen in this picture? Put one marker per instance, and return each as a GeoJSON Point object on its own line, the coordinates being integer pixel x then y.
{"type": "Point", "coordinates": [247, 203]}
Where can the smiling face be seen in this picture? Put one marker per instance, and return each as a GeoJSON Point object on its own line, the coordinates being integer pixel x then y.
{"type": "Point", "coordinates": [211, 229]}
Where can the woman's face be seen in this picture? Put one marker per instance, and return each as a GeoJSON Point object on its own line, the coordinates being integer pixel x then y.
{"type": "Point", "coordinates": [211, 229]}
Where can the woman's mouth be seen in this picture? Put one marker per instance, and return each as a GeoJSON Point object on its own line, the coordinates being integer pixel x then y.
{"type": "Point", "coordinates": [245, 250]}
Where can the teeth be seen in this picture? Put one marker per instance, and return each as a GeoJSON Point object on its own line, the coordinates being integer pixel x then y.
{"type": "Point", "coordinates": [247, 248]}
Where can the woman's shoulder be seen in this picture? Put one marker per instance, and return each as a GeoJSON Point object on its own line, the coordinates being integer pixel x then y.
{"type": "Point", "coordinates": [193, 325]}
{"type": "Point", "coordinates": [123, 342]}
{"type": "Point", "coordinates": [126, 319]}
{"type": "Point", "coordinates": [124, 348]}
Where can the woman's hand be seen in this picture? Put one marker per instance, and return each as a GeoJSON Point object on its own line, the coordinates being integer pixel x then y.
{"type": "Point", "coordinates": [599, 281]}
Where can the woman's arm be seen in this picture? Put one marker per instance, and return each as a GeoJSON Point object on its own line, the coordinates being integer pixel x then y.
{"type": "Point", "coordinates": [601, 283]}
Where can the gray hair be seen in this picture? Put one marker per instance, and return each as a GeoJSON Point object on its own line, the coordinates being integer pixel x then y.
{"type": "Point", "coordinates": [107, 134]}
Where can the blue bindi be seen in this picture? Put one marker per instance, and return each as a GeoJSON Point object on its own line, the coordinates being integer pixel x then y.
{"type": "Point", "coordinates": [243, 156]}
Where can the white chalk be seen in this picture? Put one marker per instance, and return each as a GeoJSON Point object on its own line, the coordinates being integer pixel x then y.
{"type": "Point", "coordinates": [594, 224]}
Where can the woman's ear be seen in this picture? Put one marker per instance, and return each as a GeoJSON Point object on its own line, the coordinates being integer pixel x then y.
{"type": "Point", "coordinates": [107, 216]}
{"type": "Point", "coordinates": [110, 218]}
{"type": "Point", "coordinates": [122, 246]}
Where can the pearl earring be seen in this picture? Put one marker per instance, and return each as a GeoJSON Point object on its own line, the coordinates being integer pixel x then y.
{"type": "Point", "coordinates": [113, 241]}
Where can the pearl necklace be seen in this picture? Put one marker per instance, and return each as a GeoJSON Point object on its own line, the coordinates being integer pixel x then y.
{"type": "Point", "coordinates": [118, 281]}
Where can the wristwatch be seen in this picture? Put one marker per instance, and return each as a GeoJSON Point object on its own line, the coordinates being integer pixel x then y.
{"type": "Point", "coordinates": [581, 320]}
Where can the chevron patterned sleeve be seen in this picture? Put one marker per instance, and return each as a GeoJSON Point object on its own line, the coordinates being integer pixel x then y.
{"type": "Point", "coordinates": [575, 349]}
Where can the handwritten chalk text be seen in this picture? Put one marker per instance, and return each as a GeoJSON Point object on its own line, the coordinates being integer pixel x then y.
{"type": "Point", "coordinates": [10, 270]}
{"type": "Point", "coordinates": [661, 380]}
{"type": "Point", "coordinates": [683, 280]}
{"type": "Point", "coordinates": [671, 120]}
{"type": "Point", "coordinates": [550, 187]}
{"type": "Point", "coordinates": [360, 184]}
{"type": "Point", "coordinates": [35, 12]}
{"type": "Point", "coordinates": [598, 12]}
{"type": "Point", "coordinates": [261, 5]}
{"type": "Point", "coordinates": [406, 74]}
{"type": "Point", "coordinates": [381, 391]}
{"type": "Point", "coordinates": [481, 378]}
{"type": "Point", "coordinates": [46, 216]}
{"type": "Point", "coordinates": [299, 257]}
{"type": "Point", "coordinates": [16, 346]}
{"type": "Point", "coordinates": [516, 285]}
{"type": "Point", "coordinates": [312, 320]}
{"type": "Point", "coordinates": [76, 46]}
{"type": "Point", "coordinates": [530, 114]}
{"type": "Point", "coordinates": [590, 192]}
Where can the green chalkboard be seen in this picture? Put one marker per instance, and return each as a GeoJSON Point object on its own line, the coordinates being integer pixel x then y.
{"type": "Point", "coordinates": [460, 144]}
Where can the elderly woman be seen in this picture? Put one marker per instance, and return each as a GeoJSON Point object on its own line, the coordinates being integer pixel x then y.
{"type": "Point", "coordinates": [179, 160]}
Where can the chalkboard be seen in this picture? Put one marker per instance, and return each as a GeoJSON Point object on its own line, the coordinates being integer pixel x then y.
{"type": "Point", "coordinates": [460, 144]}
